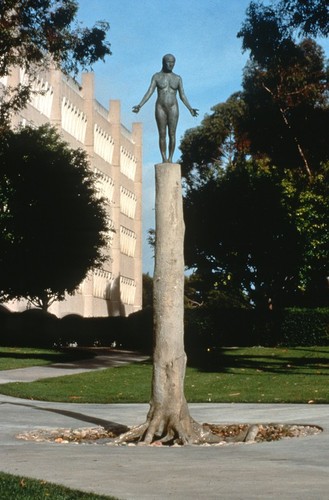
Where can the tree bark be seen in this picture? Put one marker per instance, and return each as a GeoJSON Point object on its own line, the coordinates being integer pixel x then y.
{"type": "Point", "coordinates": [169, 416]}
{"type": "Point", "coordinates": [169, 420]}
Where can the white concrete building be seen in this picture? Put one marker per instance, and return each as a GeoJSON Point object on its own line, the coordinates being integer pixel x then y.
{"type": "Point", "coordinates": [115, 155]}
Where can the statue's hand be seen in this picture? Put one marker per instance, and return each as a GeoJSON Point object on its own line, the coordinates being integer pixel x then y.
{"type": "Point", "coordinates": [194, 112]}
{"type": "Point", "coordinates": [136, 108]}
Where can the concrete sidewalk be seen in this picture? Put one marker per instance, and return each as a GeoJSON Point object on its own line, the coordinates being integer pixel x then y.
{"type": "Point", "coordinates": [99, 362]}
{"type": "Point", "coordinates": [294, 469]}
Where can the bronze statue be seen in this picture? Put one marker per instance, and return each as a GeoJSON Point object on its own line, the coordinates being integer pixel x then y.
{"type": "Point", "coordinates": [167, 84]}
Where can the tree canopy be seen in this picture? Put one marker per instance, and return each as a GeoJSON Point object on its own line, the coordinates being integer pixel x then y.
{"type": "Point", "coordinates": [271, 29]}
{"type": "Point", "coordinates": [215, 142]}
{"type": "Point", "coordinates": [287, 107]}
{"type": "Point", "coordinates": [259, 233]}
{"type": "Point", "coordinates": [308, 17]}
{"type": "Point", "coordinates": [256, 169]}
{"type": "Point", "coordinates": [53, 225]}
{"type": "Point", "coordinates": [37, 33]}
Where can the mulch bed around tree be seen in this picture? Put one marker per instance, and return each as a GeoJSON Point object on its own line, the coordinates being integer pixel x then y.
{"type": "Point", "coordinates": [234, 433]}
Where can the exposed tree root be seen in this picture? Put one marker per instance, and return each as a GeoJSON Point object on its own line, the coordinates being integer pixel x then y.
{"type": "Point", "coordinates": [154, 432]}
{"type": "Point", "coordinates": [134, 434]}
{"type": "Point", "coordinates": [227, 433]}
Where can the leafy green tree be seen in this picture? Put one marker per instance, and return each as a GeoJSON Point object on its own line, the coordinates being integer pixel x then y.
{"type": "Point", "coordinates": [308, 206]}
{"type": "Point", "coordinates": [214, 143]}
{"type": "Point", "coordinates": [52, 224]}
{"type": "Point", "coordinates": [309, 17]}
{"type": "Point", "coordinates": [147, 290]}
{"type": "Point", "coordinates": [286, 102]}
{"type": "Point", "coordinates": [264, 34]}
{"type": "Point", "coordinates": [253, 229]}
{"type": "Point", "coordinates": [259, 231]}
{"type": "Point", "coordinates": [239, 234]}
{"type": "Point", "coordinates": [272, 29]}
{"type": "Point", "coordinates": [35, 34]}
{"type": "Point", "coordinates": [256, 220]}
{"type": "Point", "coordinates": [206, 291]}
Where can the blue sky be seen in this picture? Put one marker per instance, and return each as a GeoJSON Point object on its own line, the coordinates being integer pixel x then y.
{"type": "Point", "coordinates": [202, 36]}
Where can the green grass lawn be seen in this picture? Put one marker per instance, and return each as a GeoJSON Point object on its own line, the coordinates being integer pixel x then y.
{"type": "Point", "coordinates": [23, 357]}
{"type": "Point", "coordinates": [17, 488]}
{"type": "Point", "coordinates": [248, 375]}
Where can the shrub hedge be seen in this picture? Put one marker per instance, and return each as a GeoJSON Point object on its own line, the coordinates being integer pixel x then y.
{"type": "Point", "coordinates": [205, 328]}
{"type": "Point", "coordinates": [305, 327]}
{"type": "Point", "coordinates": [245, 328]}
{"type": "Point", "coordinates": [35, 328]}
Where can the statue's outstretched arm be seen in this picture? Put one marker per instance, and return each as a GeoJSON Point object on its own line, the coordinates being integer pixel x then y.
{"type": "Point", "coordinates": [146, 97]}
{"type": "Point", "coordinates": [183, 98]}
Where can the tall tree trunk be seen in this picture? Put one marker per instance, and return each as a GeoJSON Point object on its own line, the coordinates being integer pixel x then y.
{"type": "Point", "coordinates": [168, 415]}
{"type": "Point", "coordinates": [168, 419]}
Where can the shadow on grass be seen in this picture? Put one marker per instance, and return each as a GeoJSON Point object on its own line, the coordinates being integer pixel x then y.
{"type": "Point", "coordinates": [55, 357]}
{"type": "Point", "coordinates": [276, 360]}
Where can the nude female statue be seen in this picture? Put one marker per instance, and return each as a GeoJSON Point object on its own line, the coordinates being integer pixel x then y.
{"type": "Point", "coordinates": [167, 84]}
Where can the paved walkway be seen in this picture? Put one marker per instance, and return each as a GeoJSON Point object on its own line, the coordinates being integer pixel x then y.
{"type": "Point", "coordinates": [115, 358]}
{"type": "Point", "coordinates": [296, 469]}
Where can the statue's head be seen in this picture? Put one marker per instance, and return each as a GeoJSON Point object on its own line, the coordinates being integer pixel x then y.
{"type": "Point", "coordinates": [168, 62]}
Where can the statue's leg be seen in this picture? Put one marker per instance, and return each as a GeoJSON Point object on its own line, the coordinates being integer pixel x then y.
{"type": "Point", "coordinates": [172, 126]}
{"type": "Point", "coordinates": [161, 119]}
